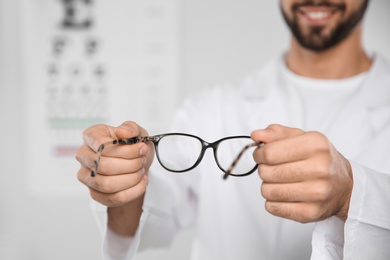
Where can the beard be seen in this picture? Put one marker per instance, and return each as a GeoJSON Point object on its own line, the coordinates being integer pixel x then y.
{"type": "Point", "coordinates": [315, 39]}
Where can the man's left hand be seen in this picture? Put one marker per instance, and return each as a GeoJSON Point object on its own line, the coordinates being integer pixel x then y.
{"type": "Point", "coordinates": [304, 177]}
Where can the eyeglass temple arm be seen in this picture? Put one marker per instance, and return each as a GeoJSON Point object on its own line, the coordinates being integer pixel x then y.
{"type": "Point", "coordinates": [128, 141]}
{"type": "Point", "coordinates": [229, 171]}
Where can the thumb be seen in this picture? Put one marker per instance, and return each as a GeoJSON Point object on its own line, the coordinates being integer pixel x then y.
{"type": "Point", "coordinates": [275, 132]}
{"type": "Point", "coordinates": [128, 129]}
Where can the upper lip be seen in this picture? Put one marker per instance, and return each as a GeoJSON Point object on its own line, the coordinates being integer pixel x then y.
{"type": "Point", "coordinates": [328, 7]}
{"type": "Point", "coordinates": [317, 11]}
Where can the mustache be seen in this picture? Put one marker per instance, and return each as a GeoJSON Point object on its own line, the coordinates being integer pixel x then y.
{"type": "Point", "coordinates": [311, 3]}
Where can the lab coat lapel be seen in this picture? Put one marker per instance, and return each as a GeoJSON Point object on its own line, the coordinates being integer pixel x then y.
{"type": "Point", "coordinates": [264, 100]}
{"type": "Point", "coordinates": [375, 94]}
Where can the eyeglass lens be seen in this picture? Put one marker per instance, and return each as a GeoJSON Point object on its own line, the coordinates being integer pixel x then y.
{"type": "Point", "coordinates": [178, 153]}
{"type": "Point", "coordinates": [227, 152]}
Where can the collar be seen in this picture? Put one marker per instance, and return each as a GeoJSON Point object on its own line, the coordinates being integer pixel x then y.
{"type": "Point", "coordinates": [375, 92]}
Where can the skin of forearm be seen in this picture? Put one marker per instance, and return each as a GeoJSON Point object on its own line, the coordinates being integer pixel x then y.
{"type": "Point", "coordinates": [124, 219]}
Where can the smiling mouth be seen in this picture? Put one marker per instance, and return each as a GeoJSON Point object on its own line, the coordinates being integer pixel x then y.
{"type": "Point", "coordinates": [318, 14]}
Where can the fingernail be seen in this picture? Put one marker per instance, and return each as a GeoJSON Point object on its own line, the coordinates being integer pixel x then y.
{"type": "Point", "coordinates": [127, 127]}
{"type": "Point", "coordinates": [143, 150]}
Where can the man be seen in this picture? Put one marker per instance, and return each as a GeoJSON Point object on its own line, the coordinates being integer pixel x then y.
{"type": "Point", "coordinates": [324, 111]}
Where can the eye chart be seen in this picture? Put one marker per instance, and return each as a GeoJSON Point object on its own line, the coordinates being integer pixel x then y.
{"type": "Point", "coordinates": [89, 62]}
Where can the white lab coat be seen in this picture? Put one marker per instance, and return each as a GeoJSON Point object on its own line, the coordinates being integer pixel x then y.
{"type": "Point", "coordinates": [229, 216]}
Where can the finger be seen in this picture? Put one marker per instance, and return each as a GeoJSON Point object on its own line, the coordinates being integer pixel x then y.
{"type": "Point", "coordinates": [134, 155]}
{"type": "Point", "coordinates": [110, 184]}
{"type": "Point", "coordinates": [129, 129]}
{"type": "Point", "coordinates": [299, 171]}
{"type": "Point", "coordinates": [275, 132]}
{"type": "Point", "coordinates": [125, 151]}
{"type": "Point", "coordinates": [297, 211]}
{"type": "Point", "coordinates": [121, 197]}
{"type": "Point", "coordinates": [292, 149]}
{"type": "Point", "coordinates": [95, 135]}
{"type": "Point", "coordinates": [86, 156]}
{"type": "Point", "coordinates": [314, 191]}
{"type": "Point", "coordinates": [115, 166]}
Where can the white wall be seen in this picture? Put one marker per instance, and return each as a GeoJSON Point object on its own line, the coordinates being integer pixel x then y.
{"type": "Point", "coordinates": [221, 41]}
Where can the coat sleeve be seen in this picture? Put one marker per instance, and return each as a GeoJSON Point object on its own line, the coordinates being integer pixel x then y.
{"type": "Point", "coordinates": [169, 206]}
{"type": "Point", "coordinates": [367, 229]}
{"type": "Point", "coordinates": [366, 233]}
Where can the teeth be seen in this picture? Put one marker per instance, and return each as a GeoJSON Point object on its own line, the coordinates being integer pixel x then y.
{"type": "Point", "coordinates": [317, 15]}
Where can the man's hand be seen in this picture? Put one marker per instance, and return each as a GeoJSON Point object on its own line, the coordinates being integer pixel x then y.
{"type": "Point", "coordinates": [121, 180]}
{"type": "Point", "coordinates": [304, 177]}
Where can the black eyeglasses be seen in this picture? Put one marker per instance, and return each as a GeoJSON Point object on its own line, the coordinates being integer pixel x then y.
{"type": "Point", "coordinates": [179, 152]}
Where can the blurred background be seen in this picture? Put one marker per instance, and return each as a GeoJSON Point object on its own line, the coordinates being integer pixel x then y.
{"type": "Point", "coordinates": [69, 64]}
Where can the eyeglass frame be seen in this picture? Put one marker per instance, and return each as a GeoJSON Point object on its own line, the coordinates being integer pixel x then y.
{"type": "Point", "coordinates": [155, 139]}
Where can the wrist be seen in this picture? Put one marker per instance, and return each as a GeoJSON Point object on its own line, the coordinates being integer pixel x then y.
{"type": "Point", "coordinates": [124, 220]}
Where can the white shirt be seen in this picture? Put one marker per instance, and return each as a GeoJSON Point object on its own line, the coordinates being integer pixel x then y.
{"type": "Point", "coordinates": [229, 216]}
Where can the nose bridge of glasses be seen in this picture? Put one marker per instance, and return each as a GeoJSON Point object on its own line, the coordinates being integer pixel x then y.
{"type": "Point", "coordinates": [207, 145]}
{"type": "Point", "coordinates": [214, 146]}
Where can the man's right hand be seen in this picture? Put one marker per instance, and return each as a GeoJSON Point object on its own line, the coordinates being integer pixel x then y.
{"type": "Point", "coordinates": [121, 179]}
